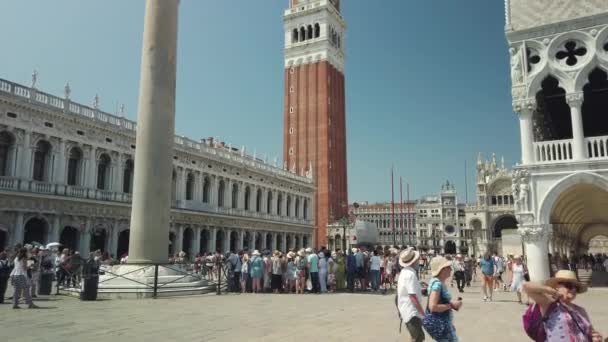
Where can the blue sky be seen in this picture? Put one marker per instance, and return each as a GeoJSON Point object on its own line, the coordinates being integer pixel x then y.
{"type": "Point", "coordinates": [427, 82]}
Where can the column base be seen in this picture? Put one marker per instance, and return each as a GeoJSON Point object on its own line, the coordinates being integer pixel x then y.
{"type": "Point", "coordinates": [137, 281]}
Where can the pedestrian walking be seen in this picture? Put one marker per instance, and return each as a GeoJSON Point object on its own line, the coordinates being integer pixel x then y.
{"type": "Point", "coordinates": [409, 295]}
{"type": "Point", "coordinates": [5, 271]}
{"type": "Point", "coordinates": [439, 320]}
{"type": "Point", "coordinates": [487, 273]}
{"type": "Point", "coordinates": [518, 269]}
{"type": "Point", "coordinates": [20, 281]}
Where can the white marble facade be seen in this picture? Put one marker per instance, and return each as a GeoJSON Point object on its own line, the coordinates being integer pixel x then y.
{"type": "Point", "coordinates": [494, 210]}
{"type": "Point", "coordinates": [66, 174]}
{"type": "Point", "coordinates": [559, 75]}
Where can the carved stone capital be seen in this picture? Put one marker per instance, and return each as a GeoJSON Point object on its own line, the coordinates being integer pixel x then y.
{"type": "Point", "coordinates": [534, 233]}
{"type": "Point", "coordinates": [524, 106]}
{"type": "Point", "coordinates": [575, 99]}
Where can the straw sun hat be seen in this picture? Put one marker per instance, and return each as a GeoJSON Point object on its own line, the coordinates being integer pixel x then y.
{"type": "Point", "coordinates": [438, 264]}
{"type": "Point", "coordinates": [566, 276]}
{"type": "Point", "coordinates": [408, 257]}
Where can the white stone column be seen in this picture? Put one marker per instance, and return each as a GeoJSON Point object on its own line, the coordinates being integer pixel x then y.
{"type": "Point", "coordinates": [198, 187]}
{"type": "Point", "coordinates": [119, 173]}
{"type": "Point", "coordinates": [18, 231]}
{"type": "Point", "coordinates": [60, 164]}
{"type": "Point", "coordinates": [525, 109]}
{"type": "Point", "coordinates": [228, 195]}
{"type": "Point", "coordinates": [196, 242]}
{"type": "Point", "coordinates": [214, 190]}
{"type": "Point", "coordinates": [227, 233]}
{"type": "Point", "coordinates": [240, 240]}
{"type": "Point", "coordinates": [241, 201]}
{"type": "Point", "coordinates": [575, 101]}
{"type": "Point", "coordinates": [85, 239]}
{"type": "Point", "coordinates": [155, 134]}
{"type": "Point", "coordinates": [25, 156]}
{"type": "Point", "coordinates": [536, 249]}
{"type": "Point", "coordinates": [91, 173]}
{"type": "Point", "coordinates": [179, 243]}
{"type": "Point", "coordinates": [211, 247]}
{"type": "Point", "coordinates": [284, 246]}
{"type": "Point", "coordinates": [273, 241]}
{"type": "Point", "coordinates": [54, 230]}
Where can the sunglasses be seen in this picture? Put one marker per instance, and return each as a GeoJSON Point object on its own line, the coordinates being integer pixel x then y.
{"type": "Point", "coordinates": [568, 286]}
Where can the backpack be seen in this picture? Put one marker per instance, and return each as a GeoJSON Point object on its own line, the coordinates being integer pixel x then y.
{"type": "Point", "coordinates": [533, 323]}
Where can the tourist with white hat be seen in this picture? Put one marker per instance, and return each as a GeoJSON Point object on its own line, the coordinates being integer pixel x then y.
{"type": "Point", "coordinates": [256, 271]}
{"type": "Point", "coordinates": [563, 320]}
{"type": "Point", "coordinates": [409, 294]}
{"type": "Point", "coordinates": [440, 301]}
{"type": "Point", "coordinates": [313, 267]}
{"type": "Point", "coordinates": [300, 263]}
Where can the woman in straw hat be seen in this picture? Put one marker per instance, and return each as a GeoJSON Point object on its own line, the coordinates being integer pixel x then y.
{"type": "Point", "coordinates": [440, 299]}
{"type": "Point", "coordinates": [300, 264]}
{"type": "Point", "coordinates": [560, 315]}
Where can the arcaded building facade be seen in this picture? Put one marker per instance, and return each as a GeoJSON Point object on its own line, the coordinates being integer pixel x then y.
{"type": "Point", "coordinates": [66, 174]}
{"type": "Point", "coordinates": [315, 113]}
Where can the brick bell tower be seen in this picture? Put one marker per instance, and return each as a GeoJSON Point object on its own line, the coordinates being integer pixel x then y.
{"type": "Point", "coordinates": [314, 115]}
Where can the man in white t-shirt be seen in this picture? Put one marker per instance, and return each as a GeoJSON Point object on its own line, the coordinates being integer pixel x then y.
{"type": "Point", "coordinates": [409, 295]}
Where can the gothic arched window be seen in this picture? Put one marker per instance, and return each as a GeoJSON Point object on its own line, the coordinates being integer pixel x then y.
{"type": "Point", "coordinates": [190, 187]}
{"type": "Point", "coordinates": [258, 201]}
{"type": "Point", "coordinates": [305, 211]}
{"type": "Point", "coordinates": [317, 30]}
{"type": "Point", "coordinates": [288, 206]}
{"type": "Point", "coordinates": [269, 202]}
{"type": "Point", "coordinates": [247, 198]}
{"type": "Point", "coordinates": [235, 195]}
{"type": "Point", "coordinates": [309, 31]}
{"type": "Point", "coordinates": [42, 156]}
{"type": "Point", "coordinates": [294, 36]}
{"type": "Point", "coordinates": [206, 188]}
{"type": "Point", "coordinates": [127, 179]}
{"type": "Point", "coordinates": [7, 148]}
{"type": "Point", "coordinates": [302, 34]}
{"type": "Point", "coordinates": [221, 189]}
{"type": "Point", "coordinates": [103, 172]}
{"type": "Point", "coordinates": [74, 166]}
{"type": "Point", "coordinates": [279, 204]}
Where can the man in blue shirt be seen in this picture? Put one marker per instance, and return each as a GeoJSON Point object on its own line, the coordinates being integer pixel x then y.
{"type": "Point", "coordinates": [487, 266]}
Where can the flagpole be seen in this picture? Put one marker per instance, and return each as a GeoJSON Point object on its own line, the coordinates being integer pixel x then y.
{"type": "Point", "coordinates": [401, 241]}
{"type": "Point", "coordinates": [409, 228]}
{"type": "Point", "coordinates": [393, 206]}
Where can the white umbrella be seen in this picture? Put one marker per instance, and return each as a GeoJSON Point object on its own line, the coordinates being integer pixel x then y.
{"type": "Point", "coordinates": [53, 244]}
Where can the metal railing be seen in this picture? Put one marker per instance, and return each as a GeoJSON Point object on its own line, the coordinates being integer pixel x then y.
{"type": "Point", "coordinates": [216, 275]}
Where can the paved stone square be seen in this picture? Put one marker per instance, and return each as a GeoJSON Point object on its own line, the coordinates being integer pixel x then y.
{"type": "Point", "coordinates": [332, 317]}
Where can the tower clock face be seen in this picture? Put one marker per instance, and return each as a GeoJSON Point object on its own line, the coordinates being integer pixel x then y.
{"type": "Point", "coordinates": [450, 229]}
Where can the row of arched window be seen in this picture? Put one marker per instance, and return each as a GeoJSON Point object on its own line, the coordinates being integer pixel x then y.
{"type": "Point", "coordinates": [305, 33]}
{"type": "Point", "coordinates": [42, 163]}
{"type": "Point", "coordinates": [257, 206]}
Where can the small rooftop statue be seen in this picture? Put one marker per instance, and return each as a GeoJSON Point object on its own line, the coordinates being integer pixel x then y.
{"type": "Point", "coordinates": [34, 78]}
{"type": "Point", "coordinates": [122, 110]}
{"type": "Point", "coordinates": [96, 101]}
{"type": "Point", "coordinates": [67, 91]}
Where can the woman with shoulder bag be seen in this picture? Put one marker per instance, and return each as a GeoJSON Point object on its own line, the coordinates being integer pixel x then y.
{"type": "Point", "coordinates": [438, 320]}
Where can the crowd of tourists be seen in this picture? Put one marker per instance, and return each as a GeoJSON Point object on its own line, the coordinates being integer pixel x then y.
{"type": "Point", "coordinates": [302, 271]}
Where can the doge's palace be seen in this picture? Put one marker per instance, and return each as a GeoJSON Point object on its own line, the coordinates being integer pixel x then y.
{"type": "Point", "coordinates": [66, 175]}
{"type": "Point", "coordinates": [559, 62]}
